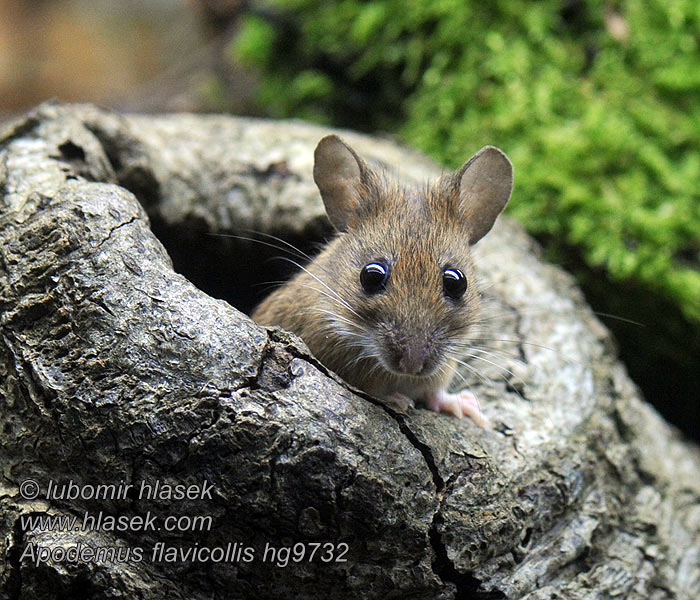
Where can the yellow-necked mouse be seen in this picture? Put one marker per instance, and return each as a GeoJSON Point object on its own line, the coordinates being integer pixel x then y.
{"type": "Point", "coordinates": [388, 303]}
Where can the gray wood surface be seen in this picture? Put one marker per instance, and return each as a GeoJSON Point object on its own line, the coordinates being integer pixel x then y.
{"type": "Point", "coordinates": [114, 368]}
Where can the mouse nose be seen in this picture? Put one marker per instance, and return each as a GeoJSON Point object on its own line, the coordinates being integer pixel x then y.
{"type": "Point", "coordinates": [409, 353]}
{"type": "Point", "coordinates": [412, 357]}
{"type": "Point", "coordinates": [411, 363]}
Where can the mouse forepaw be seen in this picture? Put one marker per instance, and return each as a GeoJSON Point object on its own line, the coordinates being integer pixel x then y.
{"type": "Point", "coordinates": [400, 401]}
{"type": "Point", "coordinates": [459, 404]}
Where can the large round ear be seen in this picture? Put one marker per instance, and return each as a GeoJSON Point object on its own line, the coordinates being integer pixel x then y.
{"type": "Point", "coordinates": [338, 173]}
{"type": "Point", "coordinates": [485, 184]}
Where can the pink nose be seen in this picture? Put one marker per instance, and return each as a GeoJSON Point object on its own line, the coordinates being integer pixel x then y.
{"type": "Point", "coordinates": [412, 361]}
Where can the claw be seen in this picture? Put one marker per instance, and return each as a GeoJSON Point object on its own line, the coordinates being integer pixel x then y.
{"type": "Point", "coordinates": [401, 401]}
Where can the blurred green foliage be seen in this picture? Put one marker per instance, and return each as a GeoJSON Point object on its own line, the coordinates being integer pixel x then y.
{"type": "Point", "coordinates": [597, 104]}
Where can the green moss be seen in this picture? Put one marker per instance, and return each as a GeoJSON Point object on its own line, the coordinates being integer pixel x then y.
{"type": "Point", "coordinates": [603, 129]}
{"type": "Point", "coordinates": [254, 43]}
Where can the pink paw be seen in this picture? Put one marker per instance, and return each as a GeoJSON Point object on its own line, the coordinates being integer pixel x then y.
{"type": "Point", "coordinates": [459, 404]}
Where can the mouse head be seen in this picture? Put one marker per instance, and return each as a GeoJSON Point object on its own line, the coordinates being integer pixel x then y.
{"type": "Point", "coordinates": [401, 266]}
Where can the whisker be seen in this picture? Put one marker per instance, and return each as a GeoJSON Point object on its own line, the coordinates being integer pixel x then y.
{"type": "Point", "coordinates": [472, 369]}
{"type": "Point", "coordinates": [519, 380]}
{"type": "Point", "coordinates": [457, 347]}
{"type": "Point", "coordinates": [288, 247]}
{"type": "Point", "coordinates": [298, 252]}
{"type": "Point", "coordinates": [455, 372]}
{"type": "Point", "coordinates": [618, 318]}
{"type": "Point", "coordinates": [494, 364]}
{"type": "Point", "coordinates": [334, 316]}
{"type": "Point", "coordinates": [283, 241]}
{"type": "Point", "coordinates": [476, 339]}
{"type": "Point", "coordinates": [535, 311]}
{"type": "Point", "coordinates": [270, 283]}
{"type": "Point", "coordinates": [334, 297]}
{"type": "Point", "coordinates": [491, 351]}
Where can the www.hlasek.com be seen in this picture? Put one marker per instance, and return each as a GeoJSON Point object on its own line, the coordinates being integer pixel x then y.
{"type": "Point", "coordinates": [159, 552]}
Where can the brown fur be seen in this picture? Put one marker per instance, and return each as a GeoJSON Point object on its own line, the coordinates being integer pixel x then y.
{"type": "Point", "coordinates": [418, 232]}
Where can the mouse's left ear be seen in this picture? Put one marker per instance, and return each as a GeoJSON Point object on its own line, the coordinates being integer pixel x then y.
{"type": "Point", "coordinates": [484, 185]}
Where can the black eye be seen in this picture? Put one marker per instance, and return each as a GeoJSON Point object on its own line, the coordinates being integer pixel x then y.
{"type": "Point", "coordinates": [373, 277]}
{"type": "Point", "coordinates": [454, 283]}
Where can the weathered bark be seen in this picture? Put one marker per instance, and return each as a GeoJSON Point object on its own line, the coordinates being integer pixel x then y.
{"type": "Point", "coordinates": [116, 369]}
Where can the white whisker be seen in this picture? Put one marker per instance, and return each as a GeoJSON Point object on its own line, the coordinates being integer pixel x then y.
{"type": "Point", "coordinates": [472, 369]}
{"type": "Point", "coordinates": [331, 290]}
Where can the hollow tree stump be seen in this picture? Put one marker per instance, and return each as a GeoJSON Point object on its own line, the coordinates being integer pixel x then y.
{"type": "Point", "coordinates": [115, 369]}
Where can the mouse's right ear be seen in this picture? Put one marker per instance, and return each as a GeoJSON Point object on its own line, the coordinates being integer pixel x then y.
{"type": "Point", "coordinates": [338, 173]}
